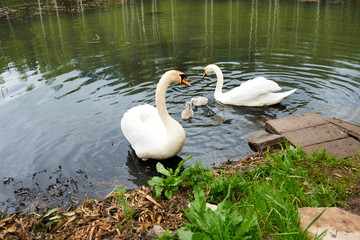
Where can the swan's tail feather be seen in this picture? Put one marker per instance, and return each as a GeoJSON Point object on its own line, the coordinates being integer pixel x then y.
{"type": "Point", "coordinates": [280, 96]}
{"type": "Point", "coordinates": [274, 98]}
{"type": "Point", "coordinates": [287, 93]}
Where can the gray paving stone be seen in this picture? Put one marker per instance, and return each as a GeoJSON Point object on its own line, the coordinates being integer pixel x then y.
{"type": "Point", "coordinates": [312, 132]}
{"type": "Point", "coordinates": [292, 123]}
{"type": "Point", "coordinates": [314, 135]}
{"type": "Point", "coordinates": [351, 129]}
{"type": "Point", "coordinates": [267, 141]}
{"type": "Point", "coordinates": [345, 147]}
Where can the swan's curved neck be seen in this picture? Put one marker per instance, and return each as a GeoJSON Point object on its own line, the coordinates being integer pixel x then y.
{"type": "Point", "coordinates": [160, 101]}
{"type": "Point", "coordinates": [220, 82]}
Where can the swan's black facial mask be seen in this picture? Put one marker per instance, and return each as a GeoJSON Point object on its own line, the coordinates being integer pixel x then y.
{"type": "Point", "coordinates": [182, 76]}
{"type": "Point", "coordinates": [183, 80]}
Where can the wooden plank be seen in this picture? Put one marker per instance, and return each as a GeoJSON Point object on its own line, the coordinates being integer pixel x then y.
{"type": "Point", "coordinates": [292, 123]}
{"type": "Point", "coordinates": [267, 141]}
{"type": "Point", "coordinates": [344, 147]}
{"type": "Point", "coordinates": [314, 135]}
{"type": "Point", "coordinates": [351, 129]}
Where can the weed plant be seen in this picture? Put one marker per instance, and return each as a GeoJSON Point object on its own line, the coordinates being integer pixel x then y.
{"type": "Point", "coordinates": [264, 201]}
{"type": "Point", "coordinates": [129, 212]}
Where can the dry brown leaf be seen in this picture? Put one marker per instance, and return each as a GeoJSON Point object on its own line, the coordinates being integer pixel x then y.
{"type": "Point", "coordinates": [338, 175]}
{"type": "Point", "coordinates": [91, 233]}
{"type": "Point", "coordinates": [159, 219]}
{"type": "Point", "coordinates": [148, 197]}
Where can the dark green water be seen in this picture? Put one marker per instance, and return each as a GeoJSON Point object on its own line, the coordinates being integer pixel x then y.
{"type": "Point", "coordinates": [66, 80]}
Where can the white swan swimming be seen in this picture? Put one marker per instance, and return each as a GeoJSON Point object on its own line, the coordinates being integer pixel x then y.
{"type": "Point", "coordinates": [188, 112]}
{"type": "Point", "coordinates": [256, 92]}
{"type": "Point", "coordinates": [199, 101]}
{"type": "Point", "coordinates": [151, 131]}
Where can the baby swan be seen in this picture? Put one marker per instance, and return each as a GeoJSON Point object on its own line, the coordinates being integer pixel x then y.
{"type": "Point", "coordinates": [188, 112]}
{"type": "Point", "coordinates": [199, 101]}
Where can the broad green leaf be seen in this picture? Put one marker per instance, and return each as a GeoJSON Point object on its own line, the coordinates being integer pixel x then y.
{"type": "Point", "coordinates": [200, 236]}
{"type": "Point", "coordinates": [199, 204]}
{"type": "Point", "coordinates": [161, 169]}
{"type": "Point", "coordinates": [176, 182]}
{"type": "Point", "coordinates": [180, 165]}
{"type": "Point", "coordinates": [156, 181]}
{"type": "Point", "coordinates": [246, 226]}
{"type": "Point", "coordinates": [236, 218]}
{"type": "Point", "coordinates": [169, 194]}
{"type": "Point", "coordinates": [185, 234]}
{"type": "Point", "coordinates": [158, 191]}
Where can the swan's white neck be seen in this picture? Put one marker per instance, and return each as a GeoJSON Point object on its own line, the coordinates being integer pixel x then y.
{"type": "Point", "coordinates": [160, 101]}
{"type": "Point", "coordinates": [220, 81]}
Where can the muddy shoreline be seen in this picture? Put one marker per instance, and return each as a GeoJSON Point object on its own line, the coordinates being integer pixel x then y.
{"type": "Point", "coordinates": [107, 219]}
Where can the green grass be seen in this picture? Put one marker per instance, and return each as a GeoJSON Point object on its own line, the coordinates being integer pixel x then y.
{"type": "Point", "coordinates": [264, 201]}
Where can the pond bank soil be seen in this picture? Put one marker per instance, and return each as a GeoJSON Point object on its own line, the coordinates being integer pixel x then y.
{"type": "Point", "coordinates": [107, 219]}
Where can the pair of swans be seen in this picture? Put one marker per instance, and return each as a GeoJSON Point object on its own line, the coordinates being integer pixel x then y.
{"type": "Point", "coordinates": [153, 133]}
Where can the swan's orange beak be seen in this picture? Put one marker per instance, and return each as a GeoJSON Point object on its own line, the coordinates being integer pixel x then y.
{"type": "Point", "coordinates": [203, 75]}
{"type": "Point", "coordinates": [184, 81]}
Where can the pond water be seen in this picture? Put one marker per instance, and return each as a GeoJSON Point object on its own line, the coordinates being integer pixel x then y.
{"type": "Point", "coordinates": [66, 80]}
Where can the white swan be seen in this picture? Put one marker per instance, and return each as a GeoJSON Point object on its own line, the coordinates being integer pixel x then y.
{"type": "Point", "coordinates": [256, 92]}
{"type": "Point", "coordinates": [188, 112]}
{"type": "Point", "coordinates": [199, 101]}
{"type": "Point", "coordinates": [150, 130]}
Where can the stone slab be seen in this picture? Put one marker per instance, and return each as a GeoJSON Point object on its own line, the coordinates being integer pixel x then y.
{"type": "Point", "coordinates": [344, 147]}
{"type": "Point", "coordinates": [292, 123]}
{"type": "Point", "coordinates": [338, 223]}
{"type": "Point", "coordinates": [351, 129]}
{"type": "Point", "coordinates": [264, 142]}
{"type": "Point", "coordinates": [314, 135]}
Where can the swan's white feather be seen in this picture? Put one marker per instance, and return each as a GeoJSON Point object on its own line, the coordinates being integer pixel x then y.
{"type": "Point", "coordinates": [256, 92]}
{"type": "Point", "coordinates": [199, 101]}
{"type": "Point", "coordinates": [144, 120]}
{"type": "Point", "coordinates": [150, 130]}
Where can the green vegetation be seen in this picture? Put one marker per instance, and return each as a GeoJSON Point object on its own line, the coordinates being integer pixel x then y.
{"type": "Point", "coordinates": [193, 175]}
{"type": "Point", "coordinates": [171, 183]}
{"type": "Point", "coordinates": [129, 212]}
{"type": "Point", "coordinates": [51, 219]}
{"type": "Point", "coordinates": [262, 201]}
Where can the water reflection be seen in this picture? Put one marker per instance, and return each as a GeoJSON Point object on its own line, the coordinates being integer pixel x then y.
{"type": "Point", "coordinates": [141, 171]}
{"type": "Point", "coordinates": [209, 28]}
